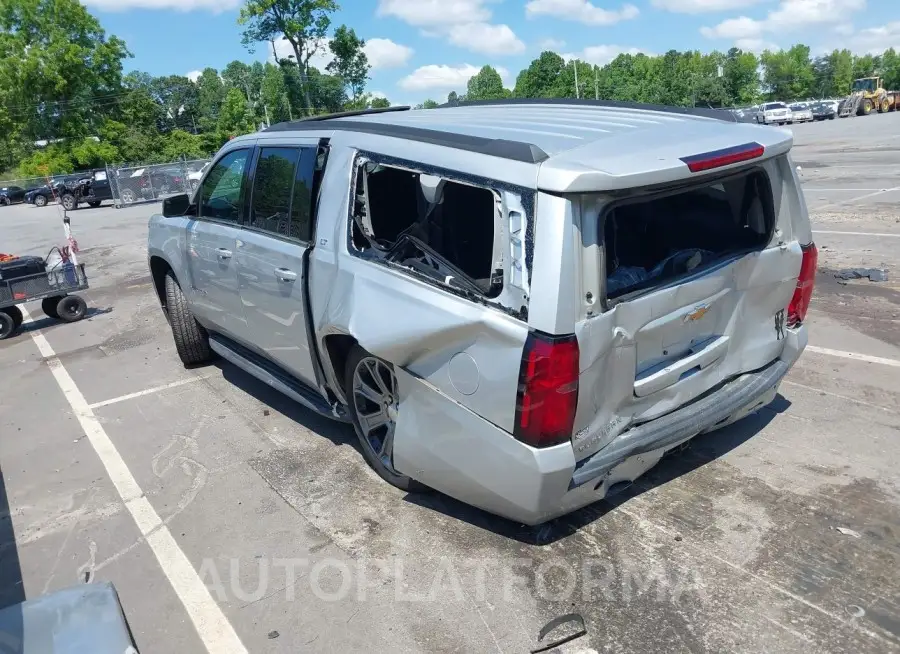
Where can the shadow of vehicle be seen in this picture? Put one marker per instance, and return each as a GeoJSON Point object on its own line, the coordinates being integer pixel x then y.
{"type": "Point", "coordinates": [698, 452]}
{"type": "Point", "coordinates": [338, 433]}
{"type": "Point", "coordinates": [41, 321]}
{"type": "Point", "coordinates": [12, 589]}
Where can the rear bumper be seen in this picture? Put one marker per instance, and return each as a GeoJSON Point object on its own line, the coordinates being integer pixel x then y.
{"type": "Point", "coordinates": [531, 486]}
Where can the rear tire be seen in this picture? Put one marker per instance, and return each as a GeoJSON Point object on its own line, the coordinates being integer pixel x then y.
{"type": "Point", "coordinates": [71, 308]}
{"type": "Point", "coordinates": [191, 339]}
{"type": "Point", "coordinates": [40, 201]}
{"type": "Point", "coordinates": [93, 204]}
{"type": "Point", "coordinates": [7, 325]}
{"type": "Point", "coordinates": [128, 196]}
{"type": "Point", "coordinates": [15, 313]}
{"type": "Point", "coordinates": [365, 369]}
{"type": "Point", "coordinates": [48, 306]}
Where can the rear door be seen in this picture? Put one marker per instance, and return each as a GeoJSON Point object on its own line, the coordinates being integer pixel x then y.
{"type": "Point", "coordinates": [100, 187]}
{"type": "Point", "coordinates": [211, 240]}
{"type": "Point", "coordinates": [662, 346]}
{"type": "Point", "coordinates": [270, 254]}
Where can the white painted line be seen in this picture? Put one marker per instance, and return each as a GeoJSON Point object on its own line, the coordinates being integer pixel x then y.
{"type": "Point", "coordinates": [858, 197]}
{"type": "Point", "coordinates": [839, 190]}
{"type": "Point", "coordinates": [149, 391]}
{"type": "Point", "coordinates": [838, 395]}
{"type": "Point", "coordinates": [894, 363]}
{"type": "Point", "coordinates": [827, 231]}
{"type": "Point", "coordinates": [211, 624]}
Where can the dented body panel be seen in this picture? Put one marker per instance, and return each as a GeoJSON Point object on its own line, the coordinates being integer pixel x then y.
{"type": "Point", "coordinates": [655, 367]}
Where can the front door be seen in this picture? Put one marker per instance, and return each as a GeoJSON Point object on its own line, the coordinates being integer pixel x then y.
{"type": "Point", "coordinates": [270, 253]}
{"type": "Point", "coordinates": [211, 240]}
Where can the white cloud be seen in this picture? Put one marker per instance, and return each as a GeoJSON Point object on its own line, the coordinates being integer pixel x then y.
{"type": "Point", "coordinates": [194, 75]}
{"type": "Point", "coordinates": [844, 29]}
{"type": "Point", "coordinates": [440, 77]}
{"type": "Point", "coordinates": [601, 54]}
{"type": "Point", "coordinates": [790, 15]}
{"type": "Point", "coordinates": [581, 11]}
{"type": "Point", "coordinates": [875, 40]}
{"type": "Point", "coordinates": [378, 94]}
{"type": "Point", "coordinates": [734, 28]}
{"type": "Point", "coordinates": [551, 44]}
{"type": "Point", "coordinates": [215, 6]}
{"type": "Point", "coordinates": [701, 6]}
{"type": "Point", "coordinates": [384, 53]}
{"type": "Point", "coordinates": [465, 23]}
{"type": "Point", "coordinates": [755, 45]}
{"type": "Point", "coordinates": [485, 38]}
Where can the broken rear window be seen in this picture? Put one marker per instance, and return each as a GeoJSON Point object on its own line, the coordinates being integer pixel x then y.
{"type": "Point", "coordinates": [649, 242]}
{"type": "Point", "coordinates": [437, 227]}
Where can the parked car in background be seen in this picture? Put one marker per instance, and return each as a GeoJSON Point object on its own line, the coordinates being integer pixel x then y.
{"type": "Point", "coordinates": [801, 113]}
{"type": "Point", "coordinates": [824, 111]}
{"type": "Point", "coordinates": [11, 195]}
{"type": "Point", "coordinates": [49, 192]}
{"type": "Point", "coordinates": [195, 177]}
{"type": "Point", "coordinates": [149, 183]}
{"type": "Point", "coordinates": [91, 187]}
{"type": "Point", "coordinates": [375, 269]}
{"type": "Point", "coordinates": [773, 113]}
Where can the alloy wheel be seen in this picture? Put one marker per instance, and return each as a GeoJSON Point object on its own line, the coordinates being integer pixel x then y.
{"type": "Point", "coordinates": [376, 402]}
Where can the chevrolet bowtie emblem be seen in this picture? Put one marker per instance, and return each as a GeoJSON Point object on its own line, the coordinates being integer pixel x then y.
{"type": "Point", "coordinates": [696, 314]}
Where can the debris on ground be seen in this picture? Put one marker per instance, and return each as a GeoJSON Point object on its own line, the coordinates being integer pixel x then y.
{"type": "Point", "coordinates": [848, 532]}
{"type": "Point", "coordinates": [873, 274]}
{"type": "Point", "coordinates": [574, 619]}
{"type": "Point", "coordinates": [273, 635]}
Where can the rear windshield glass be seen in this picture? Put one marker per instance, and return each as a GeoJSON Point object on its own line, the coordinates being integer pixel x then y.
{"type": "Point", "coordinates": [650, 242]}
{"type": "Point", "coordinates": [775, 105]}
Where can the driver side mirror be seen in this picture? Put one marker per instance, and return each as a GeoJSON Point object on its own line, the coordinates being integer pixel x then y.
{"type": "Point", "coordinates": [177, 205]}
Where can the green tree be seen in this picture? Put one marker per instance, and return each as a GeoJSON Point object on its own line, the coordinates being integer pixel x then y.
{"type": "Point", "coordinates": [235, 117]}
{"type": "Point", "coordinates": [180, 144]}
{"type": "Point", "coordinates": [379, 103]}
{"type": "Point", "coordinates": [178, 98]}
{"type": "Point", "coordinates": [303, 23]}
{"type": "Point", "coordinates": [350, 63]}
{"type": "Point", "coordinates": [52, 160]}
{"type": "Point", "coordinates": [274, 94]}
{"type": "Point", "coordinates": [486, 85]}
{"type": "Point", "coordinates": [210, 96]}
{"type": "Point", "coordinates": [541, 78]}
{"type": "Point", "coordinates": [91, 153]}
{"type": "Point", "coordinates": [788, 74]}
{"type": "Point", "coordinates": [890, 69]}
{"type": "Point", "coordinates": [740, 77]}
{"type": "Point", "coordinates": [428, 104]}
{"type": "Point", "coordinates": [865, 66]}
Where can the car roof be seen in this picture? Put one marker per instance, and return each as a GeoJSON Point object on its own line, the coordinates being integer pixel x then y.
{"type": "Point", "coordinates": [599, 143]}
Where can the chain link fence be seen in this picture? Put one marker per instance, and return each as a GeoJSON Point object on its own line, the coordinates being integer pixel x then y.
{"type": "Point", "coordinates": [26, 183]}
{"type": "Point", "coordinates": [133, 183]}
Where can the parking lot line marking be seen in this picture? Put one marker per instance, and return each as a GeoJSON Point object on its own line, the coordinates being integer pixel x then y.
{"type": "Point", "coordinates": [855, 400]}
{"type": "Point", "coordinates": [858, 197]}
{"type": "Point", "coordinates": [827, 231]}
{"type": "Point", "coordinates": [836, 190]}
{"type": "Point", "coordinates": [149, 391]}
{"type": "Point", "coordinates": [854, 355]}
{"type": "Point", "coordinates": [211, 624]}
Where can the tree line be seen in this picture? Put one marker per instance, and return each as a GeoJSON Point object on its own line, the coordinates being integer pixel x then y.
{"type": "Point", "coordinates": [66, 103]}
{"type": "Point", "coordinates": [716, 79]}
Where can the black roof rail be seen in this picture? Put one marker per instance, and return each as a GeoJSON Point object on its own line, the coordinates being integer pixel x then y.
{"type": "Point", "coordinates": [290, 124]}
{"type": "Point", "coordinates": [719, 114]}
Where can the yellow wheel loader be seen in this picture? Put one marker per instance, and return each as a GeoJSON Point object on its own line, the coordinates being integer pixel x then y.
{"type": "Point", "coordinates": [867, 94]}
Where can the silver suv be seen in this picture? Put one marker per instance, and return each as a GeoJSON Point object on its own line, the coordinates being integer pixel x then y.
{"type": "Point", "coordinates": [523, 305]}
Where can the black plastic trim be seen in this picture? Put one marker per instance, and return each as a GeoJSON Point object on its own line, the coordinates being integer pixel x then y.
{"type": "Point", "coordinates": [289, 125]}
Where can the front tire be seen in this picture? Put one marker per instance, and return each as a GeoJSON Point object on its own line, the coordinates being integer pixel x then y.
{"type": "Point", "coordinates": [48, 306]}
{"type": "Point", "coordinates": [93, 204]}
{"type": "Point", "coordinates": [7, 325]}
{"type": "Point", "coordinates": [40, 201]}
{"type": "Point", "coordinates": [373, 399]}
{"type": "Point", "coordinates": [71, 308]}
{"type": "Point", "coordinates": [191, 339]}
{"type": "Point", "coordinates": [69, 202]}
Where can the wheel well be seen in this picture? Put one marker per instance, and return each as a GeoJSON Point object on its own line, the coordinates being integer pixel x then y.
{"type": "Point", "coordinates": [158, 269]}
{"type": "Point", "coordinates": [338, 348]}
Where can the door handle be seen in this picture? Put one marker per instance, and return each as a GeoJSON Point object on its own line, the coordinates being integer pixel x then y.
{"type": "Point", "coordinates": [223, 253]}
{"type": "Point", "coordinates": [285, 275]}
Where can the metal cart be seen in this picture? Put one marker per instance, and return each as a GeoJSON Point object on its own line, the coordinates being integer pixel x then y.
{"type": "Point", "coordinates": [53, 287]}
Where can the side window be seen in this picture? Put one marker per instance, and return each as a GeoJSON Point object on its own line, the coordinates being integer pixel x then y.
{"type": "Point", "coordinates": [282, 192]}
{"type": "Point", "coordinates": [220, 194]}
{"type": "Point", "coordinates": [100, 176]}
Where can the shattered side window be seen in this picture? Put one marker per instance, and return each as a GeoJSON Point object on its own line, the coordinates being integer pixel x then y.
{"type": "Point", "coordinates": [435, 226]}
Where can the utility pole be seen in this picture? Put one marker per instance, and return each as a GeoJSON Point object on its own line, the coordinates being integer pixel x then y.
{"type": "Point", "coordinates": [577, 92]}
{"type": "Point", "coordinates": [596, 85]}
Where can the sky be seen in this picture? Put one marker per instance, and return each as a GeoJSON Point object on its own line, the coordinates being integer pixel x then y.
{"type": "Point", "coordinates": [422, 49]}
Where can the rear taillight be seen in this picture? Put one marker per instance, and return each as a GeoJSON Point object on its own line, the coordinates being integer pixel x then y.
{"type": "Point", "coordinates": [548, 390]}
{"type": "Point", "coordinates": [709, 160]}
{"type": "Point", "coordinates": [805, 281]}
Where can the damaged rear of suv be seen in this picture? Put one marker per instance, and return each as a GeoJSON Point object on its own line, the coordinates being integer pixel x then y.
{"type": "Point", "coordinates": [521, 305]}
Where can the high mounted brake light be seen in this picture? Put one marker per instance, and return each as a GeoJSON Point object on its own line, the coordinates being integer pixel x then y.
{"type": "Point", "coordinates": [548, 390]}
{"type": "Point", "coordinates": [718, 158]}
{"type": "Point", "coordinates": [799, 305]}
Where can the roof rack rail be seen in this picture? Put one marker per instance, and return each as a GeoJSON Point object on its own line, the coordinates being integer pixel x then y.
{"type": "Point", "coordinates": [719, 114]}
{"type": "Point", "coordinates": [279, 127]}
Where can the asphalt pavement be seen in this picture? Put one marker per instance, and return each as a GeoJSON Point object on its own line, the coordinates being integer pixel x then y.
{"type": "Point", "coordinates": [232, 520]}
